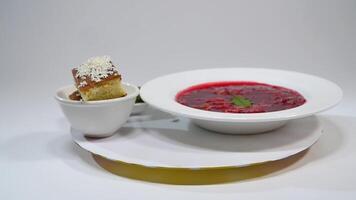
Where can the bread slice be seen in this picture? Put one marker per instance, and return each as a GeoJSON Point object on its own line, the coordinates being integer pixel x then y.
{"type": "Point", "coordinates": [98, 79]}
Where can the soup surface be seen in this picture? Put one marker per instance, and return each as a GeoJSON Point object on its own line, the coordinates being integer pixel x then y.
{"type": "Point", "coordinates": [239, 97]}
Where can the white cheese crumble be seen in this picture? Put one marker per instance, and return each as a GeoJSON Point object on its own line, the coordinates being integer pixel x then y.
{"type": "Point", "coordinates": [97, 68]}
{"type": "Point", "coordinates": [83, 83]}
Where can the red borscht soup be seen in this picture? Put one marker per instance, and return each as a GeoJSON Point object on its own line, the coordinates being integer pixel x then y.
{"type": "Point", "coordinates": [239, 97]}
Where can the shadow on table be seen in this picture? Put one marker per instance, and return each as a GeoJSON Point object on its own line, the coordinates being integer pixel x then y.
{"type": "Point", "coordinates": [36, 147]}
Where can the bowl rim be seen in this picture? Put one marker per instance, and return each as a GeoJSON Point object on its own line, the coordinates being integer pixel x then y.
{"type": "Point", "coordinates": [68, 101]}
{"type": "Point", "coordinates": [192, 113]}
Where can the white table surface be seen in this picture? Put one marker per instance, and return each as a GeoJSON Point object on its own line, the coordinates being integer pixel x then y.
{"type": "Point", "coordinates": [41, 41]}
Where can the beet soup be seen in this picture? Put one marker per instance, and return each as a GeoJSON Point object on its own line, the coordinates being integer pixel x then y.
{"type": "Point", "coordinates": [239, 97]}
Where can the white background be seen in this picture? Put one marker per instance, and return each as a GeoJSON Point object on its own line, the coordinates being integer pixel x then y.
{"type": "Point", "coordinates": [40, 41]}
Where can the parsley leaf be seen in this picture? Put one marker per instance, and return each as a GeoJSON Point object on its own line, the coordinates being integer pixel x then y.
{"type": "Point", "coordinates": [241, 101]}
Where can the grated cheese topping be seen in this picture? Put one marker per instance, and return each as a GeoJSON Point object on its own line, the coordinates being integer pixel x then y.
{"type": "Point", "coordinates": [97, 68]}
{"type": "Point", "coordinates": [83, 83]}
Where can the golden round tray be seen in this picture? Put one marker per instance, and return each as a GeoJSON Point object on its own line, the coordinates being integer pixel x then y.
{"type": "Point", "coordinates": [181, 176]}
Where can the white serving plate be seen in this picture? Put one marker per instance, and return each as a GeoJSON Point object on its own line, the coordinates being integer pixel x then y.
{"type": "Point", "coordinates": [157, 139]}
{"type": "Point", "coordinates": [320, 94]}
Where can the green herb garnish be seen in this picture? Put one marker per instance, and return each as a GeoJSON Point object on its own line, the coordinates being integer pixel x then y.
{"type": "Point", "coordinates": [138, 98]}
{"type": "Point", "coordinates": [241, 101]}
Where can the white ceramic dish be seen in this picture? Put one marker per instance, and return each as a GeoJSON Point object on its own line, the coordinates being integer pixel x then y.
{"type": "Point", "coordinates": [157, 139]}
{"type": "Point", "coordinates": [320, 94]}
{"type": "Point", "coordinates": [97, 118]}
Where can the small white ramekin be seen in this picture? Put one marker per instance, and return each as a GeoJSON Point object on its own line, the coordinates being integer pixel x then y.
{"type": "Point", "coordinates": [97, 118]}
